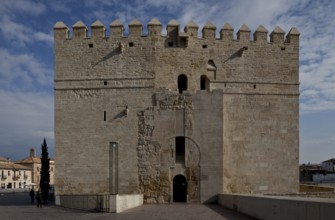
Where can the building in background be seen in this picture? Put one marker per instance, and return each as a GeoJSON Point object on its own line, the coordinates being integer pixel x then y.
{"type": "Point", "coordinates": [14, 176]}
{"type": "Point", "coordinates": [34, 163]}
{"type": "Point", "coordinates": [329, 165]}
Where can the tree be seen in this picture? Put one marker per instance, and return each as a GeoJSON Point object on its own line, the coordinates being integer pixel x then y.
{"type": "Point", "coordinates": [45, 172]}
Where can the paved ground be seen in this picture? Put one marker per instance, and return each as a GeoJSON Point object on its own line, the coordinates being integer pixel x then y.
{"type": "Point", "coordinates": [17, 206]}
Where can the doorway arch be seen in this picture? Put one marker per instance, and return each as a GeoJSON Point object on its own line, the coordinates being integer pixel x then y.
{"type": "Point", "coordinates": [179, 189]}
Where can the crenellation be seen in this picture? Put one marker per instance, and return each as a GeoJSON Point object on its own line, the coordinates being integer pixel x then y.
{"type": "Point", "coordinates": [191, 29]}
{"type": "Point", "coordinates": [292, 36]}
{"type": "Point", "coordinates": [174, 37]}
{"type": "Point", "coordinates": [98, 30]}
{"type": "Point", "coordinates": [172, 30]}
{"type": "Point", "coordinates": [61, 31]}
{"type": "Point", "coordinates": [243, 34]}
{"type": "Point", "coordinates": [277, 35]}
{"type": "Point", "coordinates": [261, 34]}
{"type": "Point", "coordinates": [79, 30]}
{"type": "Point", "coordinates": [117, 29]}
{"type": "Point", "coordinates": [135, 28]}
{"type": "Point", "coordinates": [208, 31]}
{"type": "Point", "coordinates": [154, 28]}
{"type": "Point", "coordinates": [227, 33]}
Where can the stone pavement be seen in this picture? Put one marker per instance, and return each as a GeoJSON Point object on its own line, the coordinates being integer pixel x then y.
{"type": "Point", "coordinates": [24, 210]}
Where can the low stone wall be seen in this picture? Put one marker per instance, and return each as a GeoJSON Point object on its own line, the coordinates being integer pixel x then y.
{"type": "Point", "coordinates": [280, 207]}
{"type": "Point", "coordinates": [100, 203]}
{"type": "Point", "coordinates": [120, 203]}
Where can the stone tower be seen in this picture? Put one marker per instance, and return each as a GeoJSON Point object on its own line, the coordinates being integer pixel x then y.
{"type": "Point", "coordinates": [175, 118]}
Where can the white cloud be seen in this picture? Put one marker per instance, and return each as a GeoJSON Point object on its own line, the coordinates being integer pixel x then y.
{"type": "Point", "coordinates": [20, 35]}
{"type": "Point", "coordinates": [61, 6]}
{"type": "Point", "coordinates": [43, 37]}
{"type": "Point", "coordinates": [23, 71]}
{"type": "Point", "coordinates": [9, 7]}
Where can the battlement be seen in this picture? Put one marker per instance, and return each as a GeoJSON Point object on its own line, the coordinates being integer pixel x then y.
{"type": "Point", "coordinates": [154, 29]}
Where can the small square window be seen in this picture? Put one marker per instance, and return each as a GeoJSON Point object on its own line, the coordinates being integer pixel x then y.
{"type": "Point", "coordinates": [204, 46]}
{"type": "Point", "coordinates": [90, 45]}
{"type": "Point", "coordinates": [131, 44]}
{"type": "Point", "coordinates": [170, 44]}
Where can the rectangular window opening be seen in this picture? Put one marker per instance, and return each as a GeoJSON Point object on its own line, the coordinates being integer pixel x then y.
{"type": "Point", "coordinates": [170, 44]}
{"type": "Point", "coordinates": [131, 44]}
{"type": "Point", "coordinates": [90, 45]}
{"type": "Point", "coordinates": [180, 149]}
{"type": "Point", "coordinates": [105, 83]}
{"type": "Point", "coordinates": [104, 115]}
{"type": "Point", "coordinates": [204, 46]}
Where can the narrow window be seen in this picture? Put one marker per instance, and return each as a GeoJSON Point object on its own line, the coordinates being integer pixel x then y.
{"type": "Point", "coordinates": [105, 83]}
{"type": "Point", "coordinates": [204, 82]}
{"type": "Point", "coordinates": [104, 115]}
{"type": "Point", "coordinates": [180, 149]}
{"type": "Point", "coordinates": [182, 83]}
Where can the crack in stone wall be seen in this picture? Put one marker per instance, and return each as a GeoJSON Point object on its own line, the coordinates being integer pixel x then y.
{"type": "Point", "coordinates": [155, 160]}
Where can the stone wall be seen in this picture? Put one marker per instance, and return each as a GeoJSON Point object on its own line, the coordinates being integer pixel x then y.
{"type": "Point", "coordinates": [240, 125]}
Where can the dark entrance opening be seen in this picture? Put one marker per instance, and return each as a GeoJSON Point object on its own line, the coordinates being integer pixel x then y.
{"type": "Point", "coordinates": [180, 149]}
{"type": "Point", "coordinates": [179, 189]}
{"type": "Point", "coordinates": [182, 83]}
{"type": "Point", "coordinates": [204, 82]}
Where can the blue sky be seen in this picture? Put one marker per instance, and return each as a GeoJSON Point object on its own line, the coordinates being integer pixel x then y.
{"type": "Point", "coordinates": [26, 58]}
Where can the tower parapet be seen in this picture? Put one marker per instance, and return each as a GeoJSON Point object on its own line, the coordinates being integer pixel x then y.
{"type": "Point", "coordinates": [79, 30]}
{"type": "Point", "coordinates": [226, 34]}
{"type": "Point", "coordinates": [208, 31]}
{"type": "Point", "coordinates": [243, 33]}
{"type": "Point", "coordinates": [61, 31]}
{"type": "Point", "coordinates": [191, 29]}
{"type": "Point", "coordinates": [172, 30]}
{"type": "Point", "coordinates": [261, 34]}
{"type": "Point", "coordinates": [154, 27]}
{"type": "Point", "coordinates": [135, 28]}
{"type": "Point", "coordinates": [98, 29]}
{"type": "Point", "coordinates": [277, 35]}
{"type": "Point", "coordinates": [117, 28]}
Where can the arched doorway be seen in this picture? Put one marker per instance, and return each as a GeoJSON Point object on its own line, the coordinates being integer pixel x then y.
{"type": "Point", "coordinates": [179, 189]}
{"type": "Point", "coordinates": [182, 83]}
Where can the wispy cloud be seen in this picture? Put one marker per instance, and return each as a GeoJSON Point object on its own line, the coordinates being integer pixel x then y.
{"type": "Point", "coordinates": [23, 6]}
{"type": "Point", "coordinates": [20, 35]}
{"type": "Point", "coordinates": [24, 71]}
